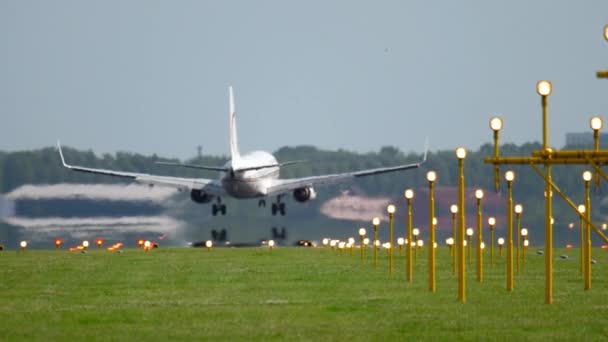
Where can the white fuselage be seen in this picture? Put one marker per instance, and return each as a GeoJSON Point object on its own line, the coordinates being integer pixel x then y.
{"type": "Point", "coordinates": [250, 183]}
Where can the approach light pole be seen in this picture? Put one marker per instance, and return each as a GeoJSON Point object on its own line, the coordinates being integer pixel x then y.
{"type": "Point", "coordinates": [581, 211]}
{"type": "Point", "coordinates": [375, 223]}
{"type": "Point", "coordinates": [409, 195]}
{"type": "Point", "coordinates": [492, 223]}
{"type": "Point", "coordinates": [510, 176]}
{"type": "Point", "coordinates": [479, 197]}
{"type": "Point", "coordinates": [518, 210]}
{"type": "Point", "coordinates": [587, 179]}
{"type": "Point", "coordinates": [391, 216]}
{"type": "Point", "coordinates": [461, 154]}
{"type": "Point", "coordinates": [431, 177]}
{"type": "Point", "coordinates": [454, 211]}
{"type": "Point", "coordinates": [362, 233]}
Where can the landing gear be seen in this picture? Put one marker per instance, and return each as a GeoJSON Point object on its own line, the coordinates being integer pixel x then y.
{"type": "Point", "coordinates": [218, 208]}
{"type": "Point", "coordinates": [262, 203]}
{"type": "Point", "coordinates": [278, 207]}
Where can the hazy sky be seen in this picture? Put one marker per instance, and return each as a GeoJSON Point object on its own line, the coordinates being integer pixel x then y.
{"type": "Point", "coordinates": [153, 76]}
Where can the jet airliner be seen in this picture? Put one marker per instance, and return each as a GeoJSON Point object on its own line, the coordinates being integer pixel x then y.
{"type": "Point", "coordinates": [251, 175]}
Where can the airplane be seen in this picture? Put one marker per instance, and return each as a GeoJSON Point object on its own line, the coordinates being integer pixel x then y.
{"type": "Point", "coordinates": [244, 176]}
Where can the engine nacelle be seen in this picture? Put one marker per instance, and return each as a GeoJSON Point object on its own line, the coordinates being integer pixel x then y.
{"type": "Point", "coordinates": [304, 194]}
{"type": "Point", "coordinates": [199, 196]}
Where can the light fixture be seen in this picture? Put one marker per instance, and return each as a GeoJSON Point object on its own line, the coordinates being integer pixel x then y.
{"type": "Point", "coordinates": [461, 153]}
{"type": "Point", "coordinates": [544, 88]}
{"type": "Point", "coordinates": [596, 123]}
{"type": "Point", "coordinates": [496, 123]}
{"type": "Point", "coordinates": [409, 193]}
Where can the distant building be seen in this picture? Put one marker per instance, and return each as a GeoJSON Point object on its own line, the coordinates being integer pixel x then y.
{"type": "Point", "coordinates": [585, 139]}
{"type": "Point", "coordinates": [7, 207]}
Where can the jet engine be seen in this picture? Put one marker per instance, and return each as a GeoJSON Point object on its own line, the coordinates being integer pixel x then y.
{"type": "Point", "coordinates": [304, 194]}
{"type": "Point", "coordinates": [199, 196]}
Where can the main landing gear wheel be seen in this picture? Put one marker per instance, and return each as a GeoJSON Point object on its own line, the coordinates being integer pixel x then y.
{"type": "Point", "coordinates": [218, 208]}
{"type": "Point", "coordinates": [278, 208]}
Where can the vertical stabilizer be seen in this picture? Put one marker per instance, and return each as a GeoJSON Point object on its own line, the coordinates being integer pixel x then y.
{"type": "Point", "coordinates": [234, 147]}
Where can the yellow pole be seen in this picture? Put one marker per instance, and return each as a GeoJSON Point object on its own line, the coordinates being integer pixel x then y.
{"type": "Point", "coordinates": [461, 264]}
{"type": "Point", "coordinates": [432, 283]}
{"type": "Point", "coordinates": [375, 246]}
{"type": "Point", "coordinates": [509, 235]}
{"type": "Point", "coordinates": [548, 239]}
{"type": "Point", "coordinates": [587, 238]}
{"type": "Point", "coordinates": [454, 245]}
{"type": "Point", "coordinates": [582, 267]}
{"type": "Point", "coordinates": [492, 245]}
{"type": "Point", "coordinates": [362, 249]}
{"type": "Point", "coordinates": [479, 239]}
{"type": "Point", "coordinates": [409, 240]}
{"type": "Point", "coordinates": [391, 216]}
{"type": "Point", "coordinates": [518, 220]}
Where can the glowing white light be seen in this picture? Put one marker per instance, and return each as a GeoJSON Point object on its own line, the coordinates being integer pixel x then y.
{"type": "Point", "coordinates": [454, 209]}
{"type": "Point", "coordinates": [496, 123]}
{"type": "Point", "coordinates": [461, 153]}
{"type": "Point", "coordinates": [492, 221]}
{"type": "Point", "coordinates": [376, 221]}
{"type": "Point", "coordinates": [501, 241]}
{"type": "Point", "coordinates": [400, 241]}
{"type": "Point", "coordinates": [544, 88]}
{"type": "Point", "coordinates": [390, 209]}
{"type": "Point", "coordinates": [431, 176]}
{"type": "Point", "coordinates": [209, 244]}
{"type": "Point", "coordinates": [409, 193]}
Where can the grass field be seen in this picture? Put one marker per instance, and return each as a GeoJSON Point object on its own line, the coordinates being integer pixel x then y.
{"type": "Point", "coordinates": [291, 294]}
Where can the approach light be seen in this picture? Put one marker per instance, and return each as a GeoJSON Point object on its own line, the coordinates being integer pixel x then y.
{"type": "Point", "coordinates": [526, 243]}
{"type": "Point", "coordinates": [604, 226]}
{"type": "Point", "coordinates": [587, 176]}
{"type": "Point", "coordinates": [431, 176]}
{"type": "Point", "coordinates": [326, 240]}
{"type": "Point", "coordinates": [420, 243]}
{"type": "Point", "coordinates": [362, 231]}
{"type": "Point", "coordinates": [376, 221]}
{"type": "Point", "coordinates": [524, 232]}
{"type": "Point", "coordinates": [469, 231]}
{"type": "Point", "coordinates": [501, 241]}
{"type": "Point", "coordinates": [544, 88]}
{"type": "Point", "coordinates": [496, 123]}
{"type": "Point", "coordinates": [366, 241]}
{"type": "Point", "coordinates": [390, 209]}
{"type": "Point", "coordinates": [99, 242]}
{"type": "Point", "coordinates": [434, 221]}
{"type": "Point", "coordinates": [596, 123]}
{"type": "Point", "coordinates": [271, 243]}
{"type": "Point", "coordinates": [482, 245]}
{"type": "Point", "coordinates": [518, 209]}
{"type": "Point", "coordinates": [57, 243]}
{"type": "Point", "coordinates": [409, 193]}
{"type": "Point", "coordinates": [479, 194]}
{"type": "Point", "coordinates": [400, 241]}
{"type": "Point", "coordinates": [509, 176]}
{"type": "Point", "coordinates": [461, 153]}
{"type": "Point", "coordinates": [85, 244]}
{"type": "Point", "coordinates": [209, 244]}
{"type": "Point", "coordinates": [449, 241]}
{"type": "Point", "coordinates": [23, 244]}
{"type": "Point", "coordinates": [491, 221]}
{"type": "Point", "coordinates": [416, 231]}
{"type": "Point", "coordinates": [581, 209]}
{"type": "Point", "coordinates": [606, 32]}
{"type": "Point", "coordinates": [454, 209]}
{"type": "Point", "coordinates": [140, 243]}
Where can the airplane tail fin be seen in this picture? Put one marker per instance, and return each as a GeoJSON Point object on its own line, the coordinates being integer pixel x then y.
{"type": "Point", "coordinates": [234, 147]}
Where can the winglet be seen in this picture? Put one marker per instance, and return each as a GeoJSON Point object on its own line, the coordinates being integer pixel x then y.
{"type": "Point", "coordinates": [426, 149]}
{"type": "Point", "coordinates": [61, 155]}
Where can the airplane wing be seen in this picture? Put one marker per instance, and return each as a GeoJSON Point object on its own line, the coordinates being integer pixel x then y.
{"type": "Point", "coordinates": [282, 186]}
{"type": "Point", "coordinates": [210, 186]}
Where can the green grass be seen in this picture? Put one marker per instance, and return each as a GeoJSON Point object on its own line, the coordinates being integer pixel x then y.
{"type": "Point", "coordinates": [291, 294]}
